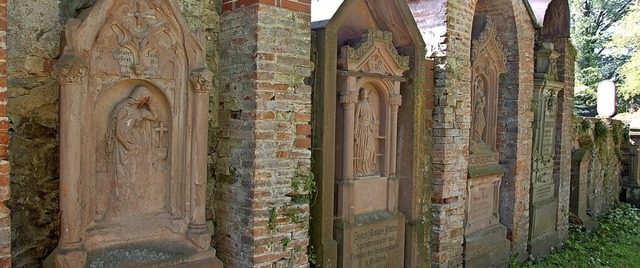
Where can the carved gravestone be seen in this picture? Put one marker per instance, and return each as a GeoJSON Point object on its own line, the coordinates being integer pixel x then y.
{"type": "Point", "coordinates": [544, 197]}
{"type": "Point", "coordinates": [369, 229]}
{"type": "Point", "coordinates": [580, 160]}
{"type": "Point", "coordinates": [485, 236]}
{"type": "Point", "coordinates": [133, 134]}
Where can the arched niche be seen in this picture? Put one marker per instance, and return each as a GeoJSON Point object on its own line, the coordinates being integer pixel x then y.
{"type": "Point", "coordinates": [156, 126]}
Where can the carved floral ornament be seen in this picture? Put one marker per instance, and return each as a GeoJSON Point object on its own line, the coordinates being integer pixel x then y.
{"type": "Point", "coordinates": [488, 46]}
{"type": "Point", "coordinates": [367, 50]}
{"type": "Point", "coordinates": [71, 70]}
{"type": "Point", "coordinates": [201, 79]}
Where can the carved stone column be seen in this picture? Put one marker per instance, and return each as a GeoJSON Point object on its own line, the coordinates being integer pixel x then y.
{"type": "Point", "coordinates": [394, 104]}
{"type": "Point", "coordinates": [348, 99]}
{"type": "Point", "coordinates": [72, 77]}
{"type": "Point", "coordinates": [198, 232]}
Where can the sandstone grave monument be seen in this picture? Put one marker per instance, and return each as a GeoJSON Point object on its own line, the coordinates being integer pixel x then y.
{"type": "Point", "coordinates": [133, 112]}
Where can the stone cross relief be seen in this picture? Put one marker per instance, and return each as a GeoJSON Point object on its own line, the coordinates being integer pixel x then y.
{"type": "Point", "coordinates": [365, 155]}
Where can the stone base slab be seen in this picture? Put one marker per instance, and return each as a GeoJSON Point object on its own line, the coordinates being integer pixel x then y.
{"type": "Point", "coordinates": [487, 248]}
{"type": "Point", "coordinates": [148, 255]}
{"type": "Point", "coordinates": [373, 240]}
{"type": "Point", "coordinates": [541, 245]}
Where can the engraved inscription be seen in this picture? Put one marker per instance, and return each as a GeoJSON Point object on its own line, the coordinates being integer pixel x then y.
{"type": "Point", "coordinates": [373, 245]}
{"type": "Point", "coordinates": [483, 202]}
{"type": "Point", "coordinates": [548, 134]}
{"type": "Point", "coordinates": [124, 56]}
{"type": "Point", "coordinates": [482, 205]}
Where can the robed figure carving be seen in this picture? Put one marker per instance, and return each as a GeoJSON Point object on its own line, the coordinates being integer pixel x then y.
{"type": "Point", "coordinates": [365, 161]}
{"type": "Point", "coordinates": [135, 137]}
{"type": "Point", "coordinates": [479, 121]}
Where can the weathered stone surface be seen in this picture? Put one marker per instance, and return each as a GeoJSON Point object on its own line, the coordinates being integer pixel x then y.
{"type": "Point", "coordinates": [367, 138]}
{"type": "Point", "coordinates": [604, 139]}
{"type": "Point", "coordinates": [32, 110]}
{"type": "Point", "coordinates": [485, 174]}
{"type": "Point", "coordinates": [33, 104]}
{"type": "Point", "coordinates": [133, 134]}
{"type": "Point", "coordinates": [543, 234]}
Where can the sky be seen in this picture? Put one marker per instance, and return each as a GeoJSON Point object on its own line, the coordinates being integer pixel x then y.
{"type": "Point", "coordinates": [324, 9]}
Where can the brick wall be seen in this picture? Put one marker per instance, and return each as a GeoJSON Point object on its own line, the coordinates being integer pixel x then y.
{"type": "Point", "coordinates": [451, 121]}
{"type": "Point", "coordinates": [446, 28]}
{"type": "Point", "coordinates": [5, 217]}
{"type": "Point", "coordinates": [265, 110]}
{"type": "Point", "coordinates": [515, 119]}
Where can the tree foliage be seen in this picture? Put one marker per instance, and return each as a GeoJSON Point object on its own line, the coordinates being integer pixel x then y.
{"type": "Point", "coordinates": [593, 25]}
{"type": "Point", "coordinates": [626, 41]}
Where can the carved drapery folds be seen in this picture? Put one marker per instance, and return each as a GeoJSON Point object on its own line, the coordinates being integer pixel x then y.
{"type": "Point", "coordinates": [133, 146]}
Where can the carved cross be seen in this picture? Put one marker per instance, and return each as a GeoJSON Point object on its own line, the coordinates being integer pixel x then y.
{"type": "Point", "coordinates": [160, 130]}
{"type": "Point", "coordinates": [142, 14]}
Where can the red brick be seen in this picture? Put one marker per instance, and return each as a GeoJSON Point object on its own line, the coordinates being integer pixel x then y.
{"type": "Point", "coordinates": [5, 167]}
{"type": "Point", "coordinates": [296, 6]}
{"type": "Point", "coordinates": [282, 154]}
{"type": "Point", "coordinates": [303, 129]}
{"type": "Point", "coordinates": [303, 143]}
{"type": "Point", "coordinates": [302, 117]}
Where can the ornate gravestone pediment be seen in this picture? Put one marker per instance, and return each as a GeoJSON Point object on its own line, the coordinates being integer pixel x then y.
{"type": "Point", "coordinates": [133, 147]}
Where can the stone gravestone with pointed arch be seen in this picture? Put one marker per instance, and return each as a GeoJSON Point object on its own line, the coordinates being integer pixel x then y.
{"type": "Point", "coordinates": [369, 228]}
{"type": "Point", "coordinates": [485, 236]}
{"type": "Point", "coordinates": [133, 134]}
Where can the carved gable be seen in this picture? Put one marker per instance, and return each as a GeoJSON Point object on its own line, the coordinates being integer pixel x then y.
{"type": "Point", "coordinates": [375, 53]}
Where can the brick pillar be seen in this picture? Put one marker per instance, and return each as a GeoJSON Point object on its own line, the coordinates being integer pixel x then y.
{"type": "Point", "coordinates": [263, 150]}
{"type": "Point", "coordinates": [564, 128]}
{"type": "Point", "coordinates": [450, 124]}
{"type": "Point", "coordinates": [5, 218]}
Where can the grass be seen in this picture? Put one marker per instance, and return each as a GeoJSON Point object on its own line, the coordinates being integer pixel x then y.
{"type": "Point", "coordinates": [615, 244]}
